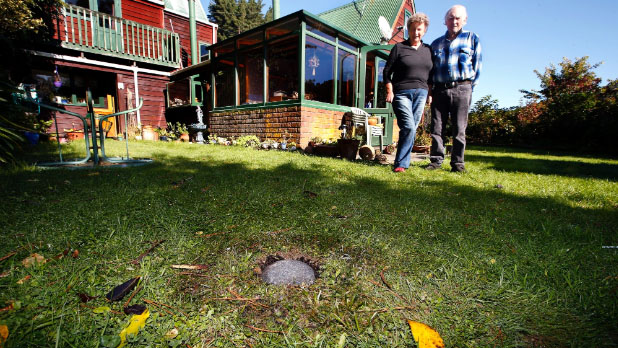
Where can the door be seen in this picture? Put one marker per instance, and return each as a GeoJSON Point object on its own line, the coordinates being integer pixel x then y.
{"type": "Point", "coordinates": [372, 89]}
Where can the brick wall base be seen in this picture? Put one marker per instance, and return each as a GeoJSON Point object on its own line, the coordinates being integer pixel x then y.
{"type": "Point", "coordinates": [295, 123]}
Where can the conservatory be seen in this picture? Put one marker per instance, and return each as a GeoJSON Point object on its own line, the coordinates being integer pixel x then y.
{"type": "Point", "coordinates": [291, 78]}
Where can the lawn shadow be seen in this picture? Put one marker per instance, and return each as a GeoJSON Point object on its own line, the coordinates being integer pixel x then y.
{"type": "Point", "coordinates": [568, 168]}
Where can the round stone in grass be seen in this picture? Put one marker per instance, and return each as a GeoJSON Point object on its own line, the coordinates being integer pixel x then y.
{"type": "Point", "coordinates": [289, 272]}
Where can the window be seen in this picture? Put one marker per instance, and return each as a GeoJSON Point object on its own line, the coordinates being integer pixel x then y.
{"type": "Point", "coordinates": [406, 16]}
{"type": "Point", "coordinates": [282, 29]}
{"type": "Point", "coordinates": [71, 85]}
{"type": "Point", "coordinates": [224, 83]}
{"type": "Point", "coordinates": [178, 93]}
{"type": "Point", "coordinates": [204, 52]}
{"type": "Point", "coordinates": [345, 78]}
{"type": "Point", "coordinates": [251, 76]}
{"type": "Point", "coordinates": [321, 30]}
{"type": "Point", "coordinates": [282, 62]}
{"type": "Point", "coordinates": [319, 64]}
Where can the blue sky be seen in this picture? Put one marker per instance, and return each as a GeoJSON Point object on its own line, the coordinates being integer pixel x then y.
{"type": "Point", "coordinates": [518, 37]}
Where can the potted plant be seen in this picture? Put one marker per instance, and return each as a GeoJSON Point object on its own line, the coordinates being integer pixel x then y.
{"type": "Point", "coordinates": [422, 142]}
{"type": "Point", "coordinates": [291, 146]}
{"type": "Point", "coordinates": [323, 147]}
{"type": "Point", "coordinates": [74, 134]}
{"type": "Point", "coordinates": [348, 143]}
{"type": "Point", "coordinates": [162, 132]}
{"type": "Point", "coordinates": [212, 138]}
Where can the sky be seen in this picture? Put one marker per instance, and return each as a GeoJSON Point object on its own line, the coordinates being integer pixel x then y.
{"type": "Point", "coordinates": [517, 37]}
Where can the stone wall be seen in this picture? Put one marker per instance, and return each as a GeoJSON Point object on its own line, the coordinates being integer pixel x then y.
{"type": "Point", "coordinates": [296, 123]}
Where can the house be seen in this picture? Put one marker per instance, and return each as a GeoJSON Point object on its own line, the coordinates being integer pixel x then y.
{"type": "Point", "coordinates": [296, 76]}
{"type": "Point", "coordinates": [121, 50]}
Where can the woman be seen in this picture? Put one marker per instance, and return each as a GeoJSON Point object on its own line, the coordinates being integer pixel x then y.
{"type": "Point", "coordinates": [408, 78]}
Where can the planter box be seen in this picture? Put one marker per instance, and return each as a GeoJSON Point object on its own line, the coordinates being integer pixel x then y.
{"type": "Point", "coordinates": [74, 135]}
{"type": "Point", "coordinates": [421, 148]}
{"type": "Point", "coordinates": [348, 148]}
{"type": "Point", "coordinates": [326, 150]}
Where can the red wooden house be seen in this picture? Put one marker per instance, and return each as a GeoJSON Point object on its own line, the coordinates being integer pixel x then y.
{"type": "Point", "coordinates": [121, 50]}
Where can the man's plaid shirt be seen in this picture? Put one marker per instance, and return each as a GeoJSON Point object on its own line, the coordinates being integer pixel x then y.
{"type": "Point", "coordinates": [457, 60]}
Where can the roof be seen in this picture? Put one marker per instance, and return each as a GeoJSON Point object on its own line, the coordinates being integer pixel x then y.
{"type": "Point", "coordinates": [360, 17]}
{"type": "Point", "coordinates": [181, 7]}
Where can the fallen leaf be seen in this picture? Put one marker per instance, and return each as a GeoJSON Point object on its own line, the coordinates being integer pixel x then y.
{"type": "Point", "coordinates": [137, 322]}
{"type": "Point", "coordinates": [134, 309]}
{"type": "Point", "coordinates": [85, 297]}
{"type": "Point", "coordinates": [4, 334]}
{"type": "Point", "coordinates": [24, 279]}
{"type": "Point", "coordinates": [171, 334]}
{"type": "Point", "coordinates": [63, 254]}
{"type": "Point", "coordinates": [498, 186]}
{"type": "Point", "coordinates": [102, 309]}
{"type": "Point", "coordinates": [8, 255]}
{"type": "Point", "coordinates": [5, 274]}
{"type": "Point", "coordinates": [93, 174]}
{"type": "Point", "coordinates": [199, 233]}
{"type": "Point", "coordinates": [189, 266]}
{"type": "Point", "coordinates": [425, 336]}
{"type": "Point", "coordinates": [310, 194]}
{"type": "Point", "coordinates": [32, 260]}
{"type": "Point", "coordinates": [75, 254]}
{"type": "Point", "coordinates": [7, 308]}
{"type": "Point", "coordinates": [121, 290]}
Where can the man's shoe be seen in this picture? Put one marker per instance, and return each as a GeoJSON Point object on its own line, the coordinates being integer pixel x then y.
{"type": "Point", "coordinates": [399, 170]}
{"type": "Point", "coordinates": [433, 166]}
{"type": "Point", "coordinates": [458, 169]}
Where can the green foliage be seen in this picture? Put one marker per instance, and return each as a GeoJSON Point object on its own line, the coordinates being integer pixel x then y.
{"type": "Point", "coordinates": [570, 111]}
{"type": "Point", "coordinates": [177, 129]}
{"type": "Point", "coordinates": [235, 17]}
{"type": "Point", "coordinates": [248, 141]}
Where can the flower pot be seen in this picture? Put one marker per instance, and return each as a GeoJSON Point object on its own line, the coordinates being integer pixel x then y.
{"type": "Point", "coordinates": [325, 150]}
{"type": "Point", "coordinates": [74, 135]}
{"type": "Point", "coordinates": [148, 133]}
{"type": "Point", "coordinates": [33, 138]}
{"type": "Point", "coordinates": [421, 148]}
{"type": "Point", "coordinates": [184, 137]}
{"type": "Point", "coordinates": [163, 138]}
{"type": "Point", "coordinates": [372, 121]}
{"type": "Point", "coordinates": [348, 148]}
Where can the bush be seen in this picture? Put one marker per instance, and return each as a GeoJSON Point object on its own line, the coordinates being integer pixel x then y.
{"type": "Point", "coordinates": [248, 141]}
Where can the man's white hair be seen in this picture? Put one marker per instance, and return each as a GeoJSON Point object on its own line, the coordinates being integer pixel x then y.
{"type": "Point", "coordinates": [456, 7]}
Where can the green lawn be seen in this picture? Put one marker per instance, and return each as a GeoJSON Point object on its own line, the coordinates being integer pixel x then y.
{"type": "Point", "coordinates": [507, 255]}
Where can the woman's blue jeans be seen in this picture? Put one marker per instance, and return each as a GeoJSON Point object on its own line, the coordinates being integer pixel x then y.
{"type": "Point", "coordinates": [408, 105]}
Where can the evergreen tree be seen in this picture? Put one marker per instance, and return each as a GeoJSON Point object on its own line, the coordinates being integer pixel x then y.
{"type": "Point", "coordinates": [235, 16]}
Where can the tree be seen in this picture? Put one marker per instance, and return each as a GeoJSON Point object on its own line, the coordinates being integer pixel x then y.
{"type": "Point", "coordinates": [569, 96]}
{"type": "Point", "coordinates": [235, 16]}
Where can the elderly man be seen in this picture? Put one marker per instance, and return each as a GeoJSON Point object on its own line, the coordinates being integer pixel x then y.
{"type": "Point", "coordinates": [457, 66]}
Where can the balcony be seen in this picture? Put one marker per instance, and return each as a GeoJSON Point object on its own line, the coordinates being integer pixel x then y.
{"type": "Point", "coordinates": [85, 30]}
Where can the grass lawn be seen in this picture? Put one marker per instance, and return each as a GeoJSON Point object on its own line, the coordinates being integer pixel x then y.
{"type": "Point", "coordinates": [507, 255]}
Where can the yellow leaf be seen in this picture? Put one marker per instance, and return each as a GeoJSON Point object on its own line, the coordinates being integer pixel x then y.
{"type": "Point", "coordinates": [171, 334]}
{"type": "Point", "coordinates": [102, 309]}
{"type": "Point", "coordinates": [4, 334]}
{"type": "Point", "coordinates": [32, 260]}
{"type": "Point", "coordinates": [137, 322]}
{"type": "Point", "coordinates": [24, 279]}
{"type": "Point", "coordinates": [425, 336]}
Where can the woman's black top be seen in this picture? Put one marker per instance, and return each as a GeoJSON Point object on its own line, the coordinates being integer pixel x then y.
{"type": "Point", "coordinates": [409, 68]}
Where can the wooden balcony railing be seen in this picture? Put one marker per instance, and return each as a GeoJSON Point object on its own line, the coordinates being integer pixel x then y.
{"type": "Point", "coordinates": [90, 31]}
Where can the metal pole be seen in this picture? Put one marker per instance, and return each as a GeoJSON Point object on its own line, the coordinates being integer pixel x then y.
{"type": "Point", "coordinates": [193, 31]}
{"type": "Point", "coordinates": [275, 9]}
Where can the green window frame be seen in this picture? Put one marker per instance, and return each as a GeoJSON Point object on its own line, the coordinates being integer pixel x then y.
{"type": "Point", "coordinates": [406, 16]}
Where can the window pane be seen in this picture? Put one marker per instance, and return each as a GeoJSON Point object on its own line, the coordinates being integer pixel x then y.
{"type": "Point", "coordinates": [82, 3]}
{"type": "Point", "coordinates": [319, 63]}
{"type": "Point", "coordinates": [227, 48]}
{"type": "Point", "coordinates": [107, 6]}
{"type": "Point", "coordinates": [224, 83]}
{"type": "Point", "coordinates": [251, 76]}
{"type": "Point", "coordinates": [282, 60]}
{"type": "Point", "coordinates": [204, 52]}
{"type": "Point", "coordinates": [320, 29]}
{"type": "Point", "coordinates": [347, 43]}
{"type": "Point", "coordinates": [283, 28]}
{"type": "Point", "coordinates": [250, 40]}
{"type": "Point", "coordinates": [178, 92]}
{"type": "Point", "coordinates": [405, 25]}
{"type": "Point", "coordinates": [345, 83]}
{"type": "Point", "coordinates": [381, 100]}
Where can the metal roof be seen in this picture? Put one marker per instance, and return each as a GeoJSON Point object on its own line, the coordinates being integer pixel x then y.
{"type": "Point", "coordinates": [360, 17]}
{"type": "Point", "coordinates": [181, 7]}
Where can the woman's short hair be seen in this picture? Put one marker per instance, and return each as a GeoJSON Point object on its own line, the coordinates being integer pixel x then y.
{"type": "Point", "coordinates": [418, 17]}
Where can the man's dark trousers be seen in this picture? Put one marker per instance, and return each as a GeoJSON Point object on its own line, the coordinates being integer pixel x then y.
{"type": "Point", "coordinates": [454, 103]}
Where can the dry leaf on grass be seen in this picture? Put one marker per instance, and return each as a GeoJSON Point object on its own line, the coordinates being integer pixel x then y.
{"type": "Point", "coordinates": [171, 334]}
{"type": "Point", "coordinates": [34, 259]}
{"type": "Point", "coordinates": [121, 290]}
{"type": "Point", "coordinates": [189, 266]}
{"type": "Point", "coordinates": [4, 334]}
{"type": "Point", "coordinates": [75, 254]}
{"type": "Point", "coordinates": [24, 279]}
{"type": "Point", "coordinates": [425, 336]}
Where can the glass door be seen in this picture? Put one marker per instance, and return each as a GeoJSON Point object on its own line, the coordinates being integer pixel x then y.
{"type": "Point", "coordinates": [372, 89]}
